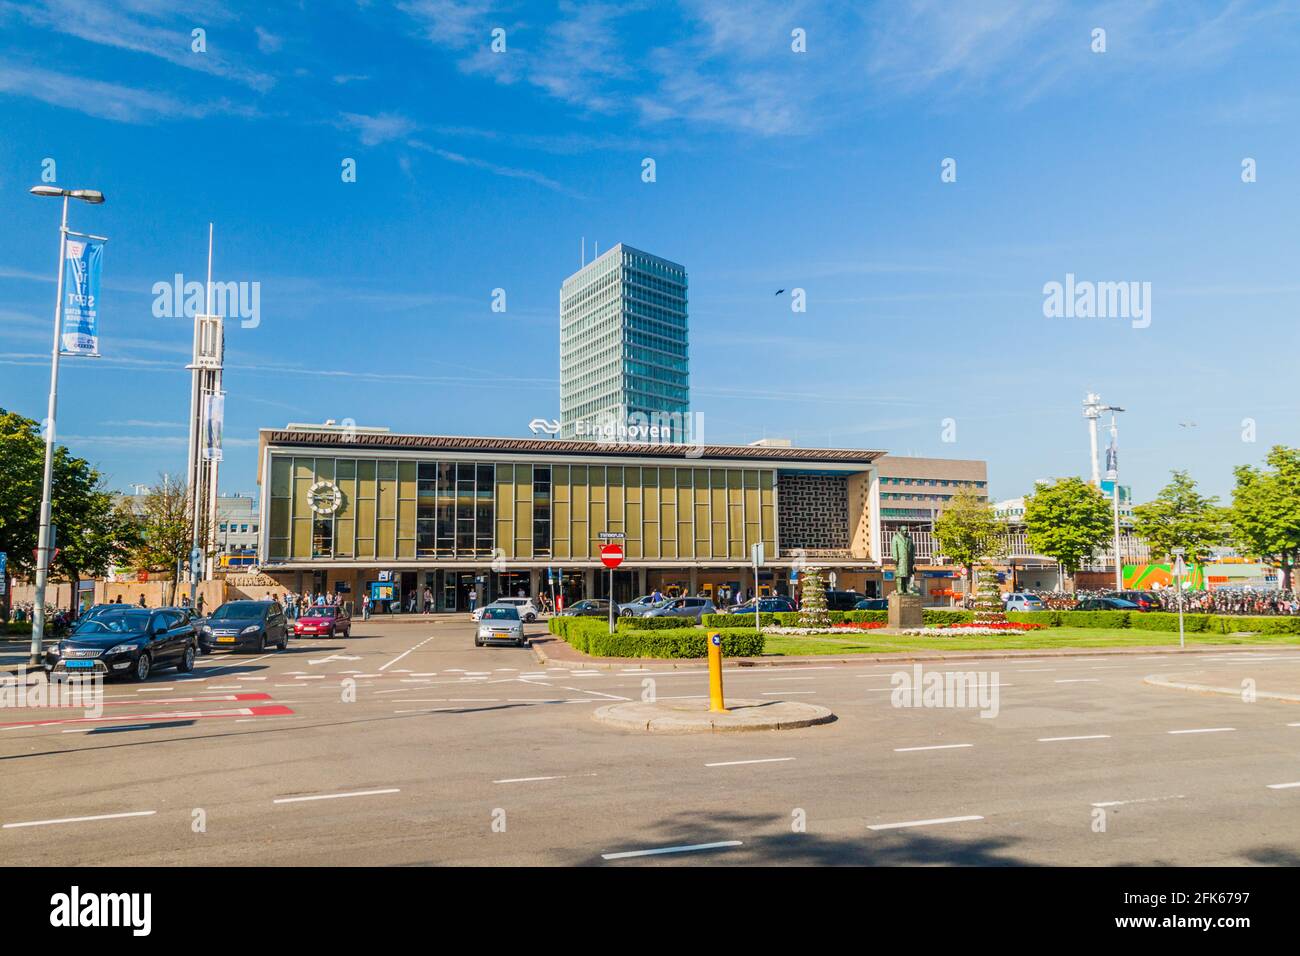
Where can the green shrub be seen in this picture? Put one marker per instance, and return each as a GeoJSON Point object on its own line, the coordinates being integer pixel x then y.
{"type": "Point", "coordinates": [1166, 621]}
{"type": "Point", "coordinates": [767, 619]}
{"type": "Point", "coordinates": [1227, 624]}
{"type": "Point", "coordinates": [649, 623]}
{"type": "Point", "coordinates": [15, 629]}
{"type": "Point", "coordinates": [665, 643]}
{"type": "Point", "coordinates": [940, 616]}
{"type": "Point", "coordinates": [1050, 618]}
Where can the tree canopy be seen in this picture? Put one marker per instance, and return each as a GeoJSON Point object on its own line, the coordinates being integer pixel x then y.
{"type": "Point", "coordinates": [1180, 517]}
{"type": "Point", "coordinates": [1067, 520]}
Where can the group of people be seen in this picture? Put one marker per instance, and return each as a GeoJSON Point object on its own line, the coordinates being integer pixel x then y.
{"type": "Point", "coordinates": [298, 605]}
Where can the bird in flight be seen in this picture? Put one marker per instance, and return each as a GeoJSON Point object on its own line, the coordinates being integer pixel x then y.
{"type": "Point", "coordinates": [778, 291]}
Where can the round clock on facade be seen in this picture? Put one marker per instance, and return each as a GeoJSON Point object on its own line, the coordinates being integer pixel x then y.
{"type": "Point", "coordinates": [324, 498]}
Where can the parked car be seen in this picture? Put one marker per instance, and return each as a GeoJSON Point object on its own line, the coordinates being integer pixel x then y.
{"type": "Point", "coordinates": [127, 641]}
{"type": "Point", "coordinates": [589, 607]}
{"type": "Point", "coordinates": [197, 621]}
{"type": "Point", "coordinates": [842, 600]}
{"type": "Point", "coordinates": [1020, 601]}
{"type": "Point", "coordinates": [688, 607]}
{"type": "Point", "coordinates": [250, 625]}
{"type": "Point", "coordinates": [500, 624]}
{"type": "Point", "coordinates": [1145, 600]}
{"type": "Point", "coordinates": [872, 604]}
{"type": "Point", "coordinates": [528, 610]}
{"type": "Point", "coordinates": [1106, 604]}
{"type": "Point", "coordinates": [330, 621]}
{"type": "Point", "coordinates": [632, 608]}
{"type": "Point", "coordinates": [766, 605]}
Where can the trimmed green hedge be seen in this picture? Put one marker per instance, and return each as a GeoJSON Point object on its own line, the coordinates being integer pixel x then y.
{"type": "Point", "coordinates": [1161, 621]}
{"type": "Point", "coordinates": [591, 636]}
{"type": "Point", "coordinates": [649, 623]}
{"type": "Point", "coordinates": [14, 629]}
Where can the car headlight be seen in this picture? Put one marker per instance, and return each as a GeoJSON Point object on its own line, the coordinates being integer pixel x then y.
{"type": "Point", "coordinates": [120, 649]}
{"type": "Point", "coordinates": [251, 629]}
{"type": "Point", "coordinates": [56, 651]}
{"type": "Point", "coordinates": [205, 629]}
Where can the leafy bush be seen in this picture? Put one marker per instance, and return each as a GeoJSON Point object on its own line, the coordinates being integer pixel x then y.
{"type": "Point", "coordinates": [937, 617]}
{"type": "Point", "coordinates": [649, 623]}
{"type": "Point", "coordinates": [1227, 623]}
{"type": "Point", "coordinates": [766, 619]}
{"type": "Point", "coordinates": [591, 636]}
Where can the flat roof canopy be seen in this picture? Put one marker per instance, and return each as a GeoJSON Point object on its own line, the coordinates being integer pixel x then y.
{"type": "Point", "coordinates": [336, 438]}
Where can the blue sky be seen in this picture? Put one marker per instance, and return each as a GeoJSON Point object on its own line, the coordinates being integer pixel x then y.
{"type": "Point", "coordinates": [775, 169]}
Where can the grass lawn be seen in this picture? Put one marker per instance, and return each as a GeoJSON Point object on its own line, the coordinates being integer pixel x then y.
{"type": "Point", "coordinates": [867, 642]}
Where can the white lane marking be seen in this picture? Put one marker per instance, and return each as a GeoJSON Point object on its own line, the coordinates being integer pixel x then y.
{"type": "Point", "coordinates": [311, 677]}
{"type": "Point", "coordinates": [213, 670]}
{"type": "Point", "coordinates": [1121, 803]}
{"type": "Point", "coordinates": [103, 816]}
{"type": "Point", "coordinates": [903, 750]}
{"type": "Point", "coordinates": [737, 763]}
{"type": "Point", "coordinates": [784, 693]}
{"type": "Point", "coordinates": [1077, 680]}
{"type": "Point", "coordinates": [981, 684]}
{"type": "Point", "coordinates": [336, 796]}
{"type": "Point", "coordinates": [426, 674]}
{"type": "Point", "coordinates": [1035, 670]}
{"type": "Point", "coordinates": [148, 690]}
{"type": "Point", "coordinates": [473, 700]}
{"type": "Point", "coordinates": [404, 653]}
{"type": "Point", "coordinates": [425, 710]}
{"type": "Point", "coordinates": [1293, 725]}
{"type": "Point", "coordinates": [922, 823]}
{"type": "Point", "coordinates": [626, 854]}
{"type": "Point", "coordinates": [536, 700]}
{"type": "Point", "coordinates": [682, 697]}
{"type": "Point", "coordinates": [1049, 740]}
{"type": "Point", "coordinates": [561, 776]}
{"type": "Point", "coordinates": [1283, 786]}
{"type": "Point", "coordinates": [794, 678]}
{"type": "Point", "coordinates": [1202, 730]}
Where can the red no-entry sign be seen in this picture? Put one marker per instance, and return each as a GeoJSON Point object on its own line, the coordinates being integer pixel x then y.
{"type": "Point", "coordinates": [611, 555]}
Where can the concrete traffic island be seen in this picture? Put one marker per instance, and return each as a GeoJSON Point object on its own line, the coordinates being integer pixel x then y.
{"type": "Point", "coordinates": [694, 716]}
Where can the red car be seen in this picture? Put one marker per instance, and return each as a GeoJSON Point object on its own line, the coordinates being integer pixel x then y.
{"type": "Point", "coordinates": [329, 621]}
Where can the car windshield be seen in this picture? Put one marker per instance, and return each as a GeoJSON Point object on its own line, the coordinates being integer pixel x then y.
{"type": "Point", "coordinates": [126, 620]}
{"type": "Point", "coordinates": [323, 612]}
{"type": "Point", "coordinates": [239, 610]}
{"type": "Point", "coordinates": [501, 614]}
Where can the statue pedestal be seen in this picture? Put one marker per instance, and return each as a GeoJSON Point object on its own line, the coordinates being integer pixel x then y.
{"type": "Point", "coordinates": [904, 610]}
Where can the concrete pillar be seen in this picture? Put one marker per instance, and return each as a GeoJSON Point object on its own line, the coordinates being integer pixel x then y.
{"type": "Point", "coordinates": [640, 581]}
{"type": "Point", "coordinates": [588, 583]}
{"type": "Point", "coordinates": [534, 577]}
{"type": "Point", "coordinates": [694, 579]}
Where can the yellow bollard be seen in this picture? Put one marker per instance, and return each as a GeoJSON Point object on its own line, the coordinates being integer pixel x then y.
{"type": "Point", "coordinates": [716, 703]}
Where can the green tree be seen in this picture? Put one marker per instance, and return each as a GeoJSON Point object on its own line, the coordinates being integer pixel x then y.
{"type": "Point", "coordinates": [1265, 512]}
{"type": "Point", "coordinates": [164, 529]}
{"type": "Point", "coordinates": [1181, 517]}
{"type": "Point", "coordinates": [90, 535]}
{"type": "Point", "coordinates": [968, 532]}
{"type": "Point", "coordinates": [1067, 520]}
{"type": "Point", "coordinates": [22, 455]}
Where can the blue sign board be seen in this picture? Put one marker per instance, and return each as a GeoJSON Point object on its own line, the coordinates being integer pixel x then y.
{"type": "Point", "coordinates": [82, 263]}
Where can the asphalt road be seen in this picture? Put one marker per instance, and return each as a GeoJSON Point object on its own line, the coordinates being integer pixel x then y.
{"type": "Point", "coordinates": [452, 754]}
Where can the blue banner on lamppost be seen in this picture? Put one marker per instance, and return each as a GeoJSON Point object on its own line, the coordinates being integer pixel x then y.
{"type": "Point", "coordinates": [82, 263]}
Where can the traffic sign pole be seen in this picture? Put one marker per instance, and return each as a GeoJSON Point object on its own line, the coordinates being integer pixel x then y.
{"type": "Point", "coordinates": [1179, 570]}
{"type": "Point", "coordinates": [611, 555]}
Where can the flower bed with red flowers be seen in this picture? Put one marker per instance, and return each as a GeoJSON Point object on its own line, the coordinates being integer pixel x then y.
{"type": "Point", "coordinates": [858, 625]}
{"type": "Point", "coordinates": [998, 626]}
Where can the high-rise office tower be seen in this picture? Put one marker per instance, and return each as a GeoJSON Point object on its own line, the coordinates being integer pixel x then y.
{"type": "Point", "coordinates": [624, 370]}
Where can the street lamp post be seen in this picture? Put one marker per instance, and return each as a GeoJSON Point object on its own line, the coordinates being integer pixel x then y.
{"type": "Point", "coordinates": [47, 481]}
{"type": "Point", "coordinates": [1112, 473]}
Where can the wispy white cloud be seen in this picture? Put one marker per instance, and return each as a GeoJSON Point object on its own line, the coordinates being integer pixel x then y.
{"type": "Point", "coordinates": [106, 100]}
{"type": "Point", "coordinates": [380, 128]}
{"type": "Point", "coordinates": [152, 29]}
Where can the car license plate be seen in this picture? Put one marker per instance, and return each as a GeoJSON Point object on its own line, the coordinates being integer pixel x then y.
{"type": "Point", "coordinates": [79, 663]}
{"type": "Point", "coordinates": [225, 640]}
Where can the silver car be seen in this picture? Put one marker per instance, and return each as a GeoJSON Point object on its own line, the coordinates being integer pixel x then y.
{"type": "Point", "coordinates": [500, 624]}
{"type": "Point", "coordinates": [689, 607]}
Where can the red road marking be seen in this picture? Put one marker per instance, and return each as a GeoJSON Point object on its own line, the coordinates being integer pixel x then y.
{"type": "Point", "coordinates": [271, 710]}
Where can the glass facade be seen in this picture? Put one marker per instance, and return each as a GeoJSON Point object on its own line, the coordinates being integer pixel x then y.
{"type": "Point", "coordinates": [623, 341]}
{"type": "Point", "coordinates": [409, 510]}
